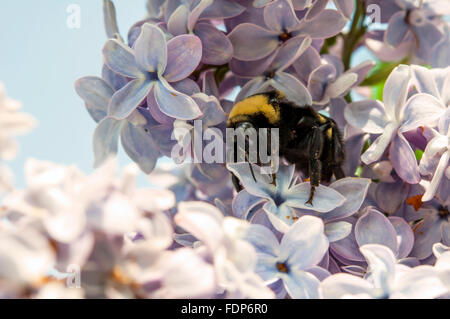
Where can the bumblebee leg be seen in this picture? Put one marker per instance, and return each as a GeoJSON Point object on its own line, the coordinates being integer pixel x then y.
{"type": "Point", "coordinates": [315, 165]}
{"type": "Point", "coordinates": [236, 183]}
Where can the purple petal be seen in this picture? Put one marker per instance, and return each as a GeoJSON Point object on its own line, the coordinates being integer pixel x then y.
{"type": "Point", "coordinates": [302, 285]}
{"type": "Point", "coordinates": [310, 61]}
{"type": "Point", "coordinates": [404, 160]}
{"type": "Point", "coordinates": [354, 190]}
{"type": "Point", "coordinates": [319, 79]}
{"type": "Point", "coordinates": [96, 93]}
{"type": "Point", "coordinates": [438, 174]}
{"type": "Point", "coordinates": [127, 99]}
{"type": "Point", "coordinates": [368, 115]}
{"type": "Point", "coordinates": [396, 91]}
{"type": "Point", "coordinates": [305, 243]}
{"type": "Point", "coordinates": [202, 220]}
{"type": "Point", "coordinates": [375, 228]}
{"type": "Point", "coordinates": [184, 55]}
{"type": "Point", "coordinates": [405, 236]}
{"type": "Point", "coordinates": [421, 110]}
{"type": "Point", "coordinates": [115, 80]}
{"type": "Point", "coordinates": [280, 216]}
{"type": "Point", "coordinates": [289, 52]}
{"type": "Point", "coordinates": [120, 58]}
{"type": "Point", "coordinates": [244, 202]}
{"type": "Point", "coordinates": [151, 49]}
{"type": "Point", "coordinates": [109, 13]}
{"type": "Point", "coordinates": [391, 196]}
{"type": "Point", "coordinates": [260, 188]}
{"type": "Point", "coordinates": [342, 285]}
{"type": "Point", "coordinates": [347, 248]}
{"type": "Point", "coordinates": [361, 70]}
{"type": "Point", "coordinates": [427, 35]}
{"type": "Point", "coordinates": [186, 86]}
{"type": "Point", "coordinates": [252, 68]}
{"type": "Point", "coordinates": [178, 21]}
{"type": "Point", "coordinates": [397, 29]}
{"type": "Point", "coordinates": [197, 12]}
{"type": "Point", "coordinates": [140, 147]}
{"type": "Point", "coordinates": [106, 138]}
{"type": "Point", "coordinates": [217, 48]}
{"type": "Point", "coordinates": [258, 84]}
{"type": "Point", "coordinates": [292, 88]}
{"type": "Point", "coordinates": [337, 230]}
{"type": "Point", "coordinates": [345, 7]}
{"type": "Point", "coordinates": [213, 113]}
{"type": "Point", "coordinates": [222, 9]}
{"type": "Point", "coordinates": [325, 25]}
{"type": "Point", "coordinates": [317, 7]}
{"type": "Point", "coordinates": [426, 233]}
{"type": "Point", "coordinates": [342, 85]}
{"type": "Point", "coordinates": [424, 80]}
{"type": "Point", "coordinates": [325, 198]}
{"type": "Point", "coordinates": [263, 43]}
{"type": "Point", "coordinates": [378, 147]}
{"type": "Point", "coordinates": [263, 240]}
{"type": "Point", "coordinates": [174, 103]}
{"type": "Point", "coordinates": [155, 112]}
{"type": "Point", "coordinates": [279, 16]}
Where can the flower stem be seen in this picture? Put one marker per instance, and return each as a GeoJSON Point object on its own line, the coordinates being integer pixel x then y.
{"type": "Point", "coordinates": [357, 31]}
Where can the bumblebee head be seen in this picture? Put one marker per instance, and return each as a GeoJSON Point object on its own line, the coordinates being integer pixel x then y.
{"type": "Point", "coordinates": [260, 110]}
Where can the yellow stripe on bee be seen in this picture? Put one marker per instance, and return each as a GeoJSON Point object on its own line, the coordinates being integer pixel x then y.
{"type": "Point", "coordinates": [330, 133]}
{"type": "Point", "coordinates": [253, 105]}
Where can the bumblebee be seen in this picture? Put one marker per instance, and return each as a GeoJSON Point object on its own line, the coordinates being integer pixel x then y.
{"type": "Point", "coordinates": [307, 138]}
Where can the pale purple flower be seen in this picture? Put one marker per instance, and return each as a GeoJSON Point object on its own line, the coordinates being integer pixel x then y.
{"type": "Point", "coordinates": [27, 258]}
{"type": "Point", "coordinates": [374, 228]}
{"type": "Point", "coordinates": [275, 75]}
{"type": "Point", "coordinates": [217, 48]}
{"type": "Point", "coordinates": [329, 81]}
{"type": "Point", "coordinates": [391, 119]}
{"type": "Point", "coordinates": [281, 201]}
{"type": "Point", "coordinates": [12, 122]}
{"type": "Point", "coordinates": [415, 21]}
{"type": "Point", "coordinates": [133, 131]}
{"type": "Point", "coordinates": [223, 237]}
{"type": "Point", "coordinates": [435, 159]}
{"type": "Point", "coordinates": [152, 64]}
{"type": "Point", "coordinates": [293, 260]}
{"type": "Point", "coordinates": [344, 7]}
{"type": "Point", "coordinates": [282, 25]}
{"type": "Point", "coordinates": [434, 228]}
{"type": "Point", "coordinates": [385, 279]}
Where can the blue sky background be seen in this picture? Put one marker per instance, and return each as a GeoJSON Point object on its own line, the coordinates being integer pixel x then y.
{"type": "Point", "coordinates": [40, 59]}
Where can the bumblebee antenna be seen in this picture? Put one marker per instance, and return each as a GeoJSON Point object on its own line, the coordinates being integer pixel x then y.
{"type": "Point", "coordinates": [251, 168]}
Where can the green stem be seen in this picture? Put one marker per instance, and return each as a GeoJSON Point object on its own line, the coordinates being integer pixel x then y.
{"type": "Point", "coordinates": [357, 31]}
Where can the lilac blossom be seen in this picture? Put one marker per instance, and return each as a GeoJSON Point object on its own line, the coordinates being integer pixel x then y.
{"type": "Point", "coordinates": [233, 258]}
{"type": "Point", "coordinates": [133, 130]}
{"type": "Point", "coordinates": [391, 119]}
{"type": "Point", "coordinates": [413, 22]}
{"type": "Point", "coordinates": [385, 279]}
{"type": "Point", "coordinates": [281, 201]}
{"type": "Point", "coordinates": [374, 228]}
{"type": "Point", "coordinates": [217, 48]}
{"type": "Point", "coordinates": [153, 64]}
{"type": "Point", "coordinates": [293, 260]}
{"type": "Point", "coordinates": [282, 26]}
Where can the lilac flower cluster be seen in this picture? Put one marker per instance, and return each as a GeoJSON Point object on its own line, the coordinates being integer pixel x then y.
{"type": "Point", "coordinates": [381, 232]}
